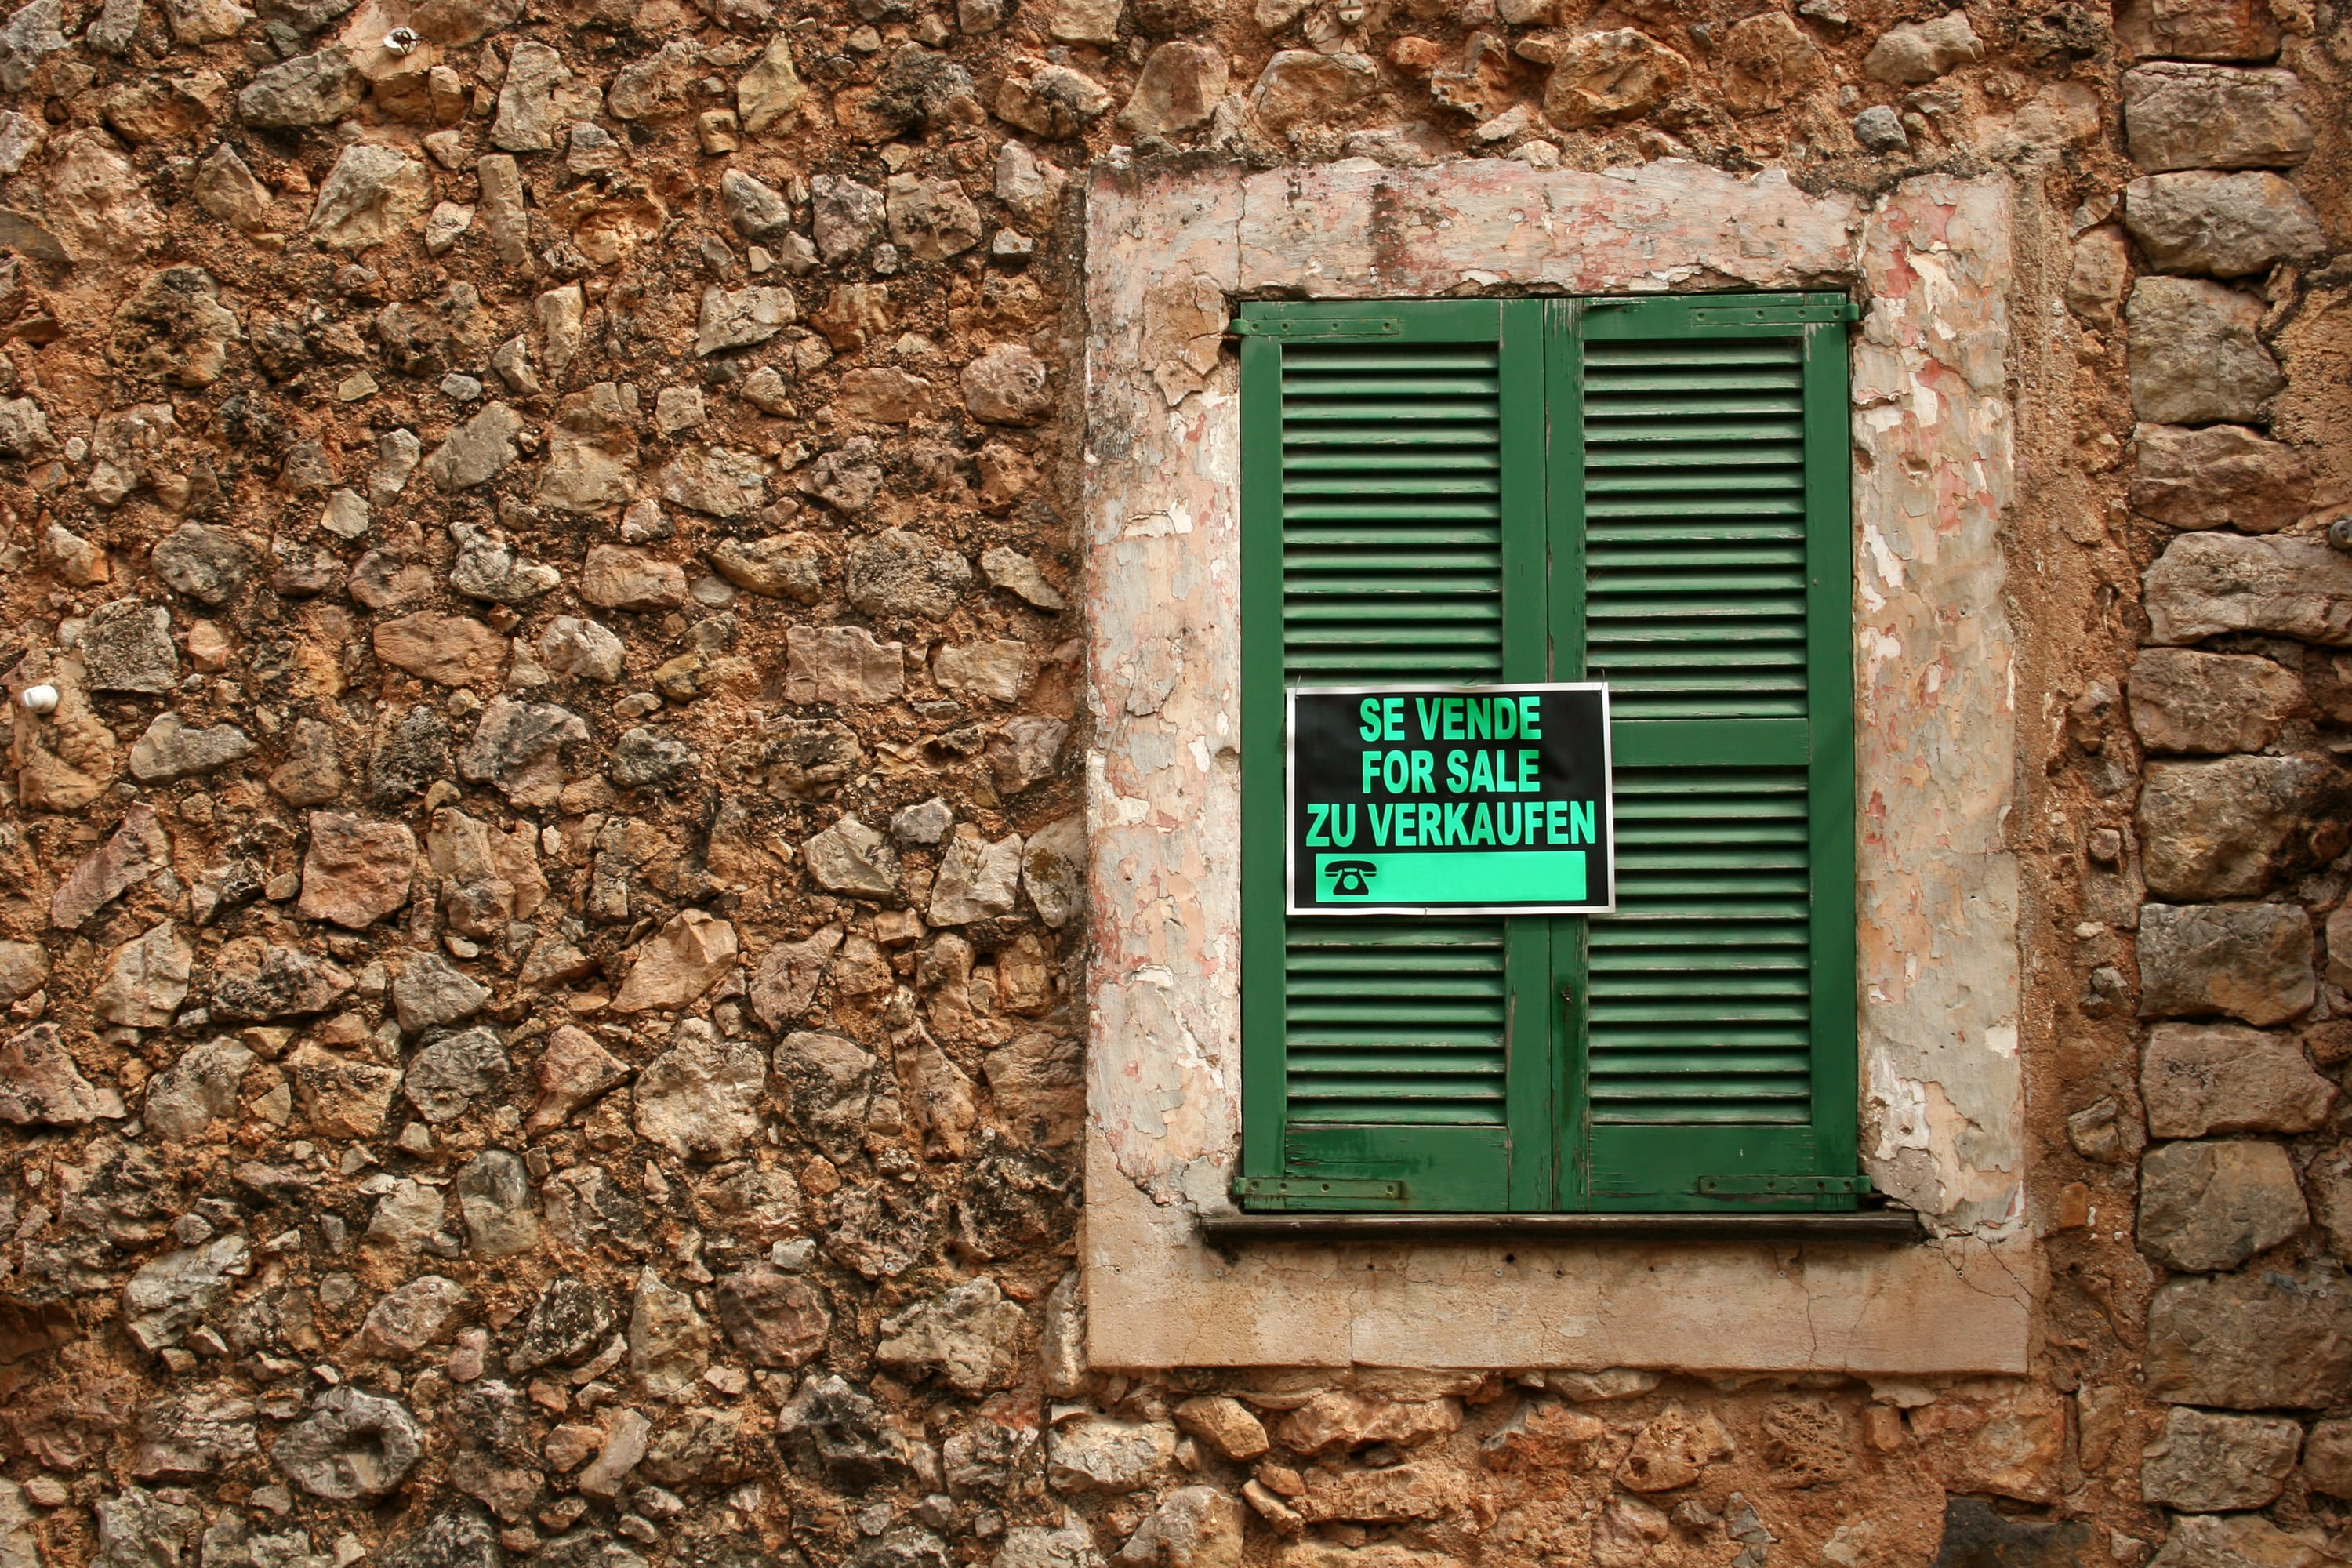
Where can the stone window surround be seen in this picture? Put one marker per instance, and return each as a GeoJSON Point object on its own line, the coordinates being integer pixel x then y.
{"type": "Point", "coordinates": [1168, 250]}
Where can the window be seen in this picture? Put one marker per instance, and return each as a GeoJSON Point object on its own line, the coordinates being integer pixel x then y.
{"type": "Point", "coordinates": [1652, 492]}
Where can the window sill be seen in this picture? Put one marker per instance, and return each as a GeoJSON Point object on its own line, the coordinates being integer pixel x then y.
{"type": "Point", "coordinates": [1879, 1227]}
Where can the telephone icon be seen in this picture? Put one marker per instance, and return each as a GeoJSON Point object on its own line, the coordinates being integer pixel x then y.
{"type": "Point", "coordinates": [1348, 877]}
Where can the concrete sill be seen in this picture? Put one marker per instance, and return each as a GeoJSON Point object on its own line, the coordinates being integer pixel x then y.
{"type": "Point", "coordinates": [1877, 1227]}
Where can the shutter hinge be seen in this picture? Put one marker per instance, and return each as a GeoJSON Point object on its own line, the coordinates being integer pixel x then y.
{"type": "Point", "coordinates": [1316, 1187]}
{"type": "Point", "coordinates": [1774, 315]}
{"type": "Point", "coordinates": [1784, 1186]}
{"type": "Point", "coordinates": [1296, 327]}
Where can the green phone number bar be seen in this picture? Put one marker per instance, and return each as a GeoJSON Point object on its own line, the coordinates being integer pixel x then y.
{"type": "Point", "coordinates": [1488, 877]}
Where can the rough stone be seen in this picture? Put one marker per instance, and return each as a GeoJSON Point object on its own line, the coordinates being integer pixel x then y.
{"type": "Point", "coordinates": [477, 451]}
{"type": "Point", "coordinates": [2205, 1462]}
{"type": "Point", "coordinates": [1007, 385]}
{"type": "Point", "coordinates": [716, 482]}
{"type": "Point", "coordinates": [571, 648]}
{"type": "Point", "coordinates": [355, 872]}
{"type": "Point", "coordinates": [672, 968]}
{"type": "Point", "coordinates": [1917, 52]}
{"type": "Point", "coordinates": [40, 1085]}
{"type": "Point", "coordinates": [1017, 575]}
{"type": "Point", "coordinates": [1179, 87]}
{"type": "Point", "coordinates": [1058, 102]}
{"type": "Point", "coordinates": [171, 749]}
{"type": "Point", "coordinates": [740, 318]}
{"type": "Point", "coordinates": [768, 95]}
{"type": "Point", "coordinates": [968, 1336]}
{"type": "Point", "coordinates": [495, 1199]}
{"type": "Point", "coordinates": [1194, 1527]}
{"type": "Point", "coordinates": [127, 646]}
{"type": "Point", "coordinates": [488, 569]}
{"type": "Point", "coordinates": [780, 566]}
{"type": "Point", "coordinates": [775, 1318]}
{"type": "Point", "coordinates": [373, 195]}
{"type": "Point", "coordinates": [185, 1099]}
{"type": "Point", "coordinates": [2249, 960]}
{"type": "Point", "coordinates": [2182, 116]}
{"type": "Point", "coordinates": [342, 1098]}
{"type": "Point", "coordinates": [446, 1079]}
{"type": "Point", "coordinates": [2205, 1206]}
{"type": "Point", "coordinates": [700, 1099]}
{"type": "Point", "coordinates": [207, 565]}
{"type": "Point", "coordinates": [2234, 1540]}
{"type": "Point", "coordinates": [572, 1071]}
{"type": "Point", "coordinates": [1768, 61]}
{"type": "Point", "coordinates": [842, 665]}
{"type": "Point", "coordinates": [787, 979]}
{"type": "Point", "coordinates": [833, 1429]}
{"type": "Point", "coordinates": [616, 578]}
{"type": "Point", "coordinates": [2227, 225]}
{"type": "Point", "coordinates": [930, 219]}
{"type": "Point", "coordinates": [2275, 1338]}
{"type": "Point", "coordinates": [2198, 29]}
{"type": "Point", "coordinates": [2202, 1079]}
{"type": "Point", "coordinates": [2183, 699]}
{"type": "Point", "coordinates": [2196, 354]}
{"type": "Point", "coordinates": [2206, 584]}
{"type": "Point", "coordinates": [1026, 752]}
{"type": "Point", "coordinates": [145, 979]}
{"type": "Point", "coordinates": [1300, 86]}
{"type": "Point", "coordinates": [2232, 826]}
{"type": "Point", "coordinates": [1339, 1420]}
{"type": "Point", "coordinates": [527, 750]}
{"type": "Point", "coordinates": [2327, 1458]}
{"type": "Point", "coordinates": [669, 1342]}
{"type": "Point", "coordinates": [2223, 476]}
{"type": "Point", "coordinates": [196, 1435]}
{"type": "Point", "coordinates": [309, 89]}
{"type": "Point", "coordinates": [406, 1320]}
{"type": "Point", "coordinates": [1102, 1453]}
{"type": "Point", "coordinates": [1673, 1451]}
{"type": "Point", "coordinates": [977, 879]}
{"type": "Point", "coordinates": [256, 981]}
{"type": "Point", "coordinates": [431, 993]}
{"type": "Point", "coordinates": [353, 1446]}
{"type": "Point", "coordinates": [844, 215]}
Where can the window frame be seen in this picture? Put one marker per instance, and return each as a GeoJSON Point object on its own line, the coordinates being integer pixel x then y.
{"type": "Point", "coordinates": [1549, 1130]}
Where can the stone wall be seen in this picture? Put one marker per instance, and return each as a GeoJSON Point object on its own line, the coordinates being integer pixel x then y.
{"type": "Point", "coordinates": [547, 603]}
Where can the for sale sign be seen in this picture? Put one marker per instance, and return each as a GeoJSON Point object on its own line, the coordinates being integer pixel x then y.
{"type": "Point", "coordinates": [1450, 800]}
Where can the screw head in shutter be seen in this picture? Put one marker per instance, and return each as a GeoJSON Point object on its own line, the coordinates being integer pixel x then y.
{"type": "Point", "coordinates": [403, 40]}
{"type": "Point", "coordinates": [2339, 533]}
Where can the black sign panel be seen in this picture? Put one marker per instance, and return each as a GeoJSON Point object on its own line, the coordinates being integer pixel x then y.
{"type": "Point", "coordinates": [1450, 800]}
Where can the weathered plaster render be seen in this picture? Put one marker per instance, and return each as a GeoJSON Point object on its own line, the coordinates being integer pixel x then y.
{"type": "Point", "coordinates": [1166, 251]}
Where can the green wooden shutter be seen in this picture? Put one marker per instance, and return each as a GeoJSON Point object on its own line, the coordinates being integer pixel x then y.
{"type": "Point", "coordinates": [1717, 1015]}
{"type": "Point", "coordinates": [1393, 521]}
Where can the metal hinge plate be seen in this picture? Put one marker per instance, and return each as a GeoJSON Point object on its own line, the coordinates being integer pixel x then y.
{"type": "Point", "coordinates": [1335, 327]}
{"type": "Point", "coordinates": [1780, 315]}
{"type": "Point", "coordinates": [1316, 1187]}
{"type": "Point", "coordinates": [1784, 1186]}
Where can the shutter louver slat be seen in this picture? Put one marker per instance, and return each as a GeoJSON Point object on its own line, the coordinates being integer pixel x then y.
{"type": "Point", "coordinates": [1699, 1007]}
{"type": "Point", "coordinates": [1392, 552]}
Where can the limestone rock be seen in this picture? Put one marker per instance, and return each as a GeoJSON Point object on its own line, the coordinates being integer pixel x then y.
{"type": "Point", "coordinates": [775, 1319]}
{"type": "Point", "coordinates": [1031, 187]}
{"type": "Point", "coordinates": [145, 979]}
{"type": "Point", "coordinates": [2196, 356]}
{"type": "Point", "coordinates": [176, 328]}
{"type": "Point", "coordinates": [2205, 585]}
{"type": "Point", "coordinates": [616, 578]}
{"type": "Point", "coordinates": [1671, 1451]}
{"type": "Point", "coordinates": [658, 86]}
{"type": "Point", "coordinates": [1102, 1453]}
{"type": "Point", "coordinates": [977, 879]}
{"type": "Point", "coordinates": [1194, 1527]}
{"type": "Point", "coordinates": [2276, 1338]}
{"type": "Point", "coordinates": [527, 750]}
{"type": "Point", "coordinates": [2198, 29]}
{"type": "Point", "coordinates": [355, 872]}
{"type": "Point", "coordinates": [408, 1319]}
{"type": "Point", "coordinates": [1007, 385]}
{"type": "Point", "coordinates": [1180, 86]}
{"type": "Point", "coordinates": [969, 1335]}
{"type": "Point", "coordinates": [1026, 752]}
{"type": "Point", "coordinates": [848, 478]}
{"type": "Point", "coordinates": [930, 219]}
{"type": "Point", "coordinates": [309, 89]}
{"type": "Point", "coordinates": [2182, 116]}
{"type": "Point", "coordinates": [780, 566]}
{"type": "Point", "coordinates": [446, 1079]}
{"type": "Point", "coordinates": [353, 1446]}
{"type": "Point", "coordinates": [1339, 1420]}
{"type": "Point", "coordinates": [431, 993]}
{"type": "Point", "coordinates": [717, 482]}
{"type": "Point", "coordinates": [134, 852]}
{"type": "Point", "coordinates": [677, 964]}
{"type": "Point", "coordinates": [451, 651]}
{"type": "Point", "coordinates": [699, 1100]}
{"type": "Point", "coordinates": [494, 1196]}
{"type": "Point", "coordinates": [1918, 52]}
{"type": "Point", "coordinates": [1057, 102]}
{"type": "Point", "coordinates": [2206, 1462]}
{"type": "Point", "coordinates": [2201, 1079]}
{"type": "Point", "coordinates": [128, 648]}
{"type": "Point", "coordinates": [568, 1323]}
{"type": "Point", "coordinates": [575, 649]}
{"type": "Point", "coordinates": [1402, 1492]}
{"type": "Point", "coordinates": [40, 1085]}
{"type": "Point", "coordinates": [255, 981]}
{"type": "Point", "coordinates": [998, 669]}
{"type": "Point", "coordinates": [2249, 961]}
{"type": "Point", "coordinates": [2327, 1458]}
{"type": "Point", "coordinates": [1226, 1423]}
{"type": "Point", "coordinates": [477, 451]}
{"type": "Point", "coordinates": [170, 1294]}
{"type": "Point", "coordinates": [372, 194]}
{"type": "Point", "coordinates": [844, 215]}
{"type": "Point", "coordinates": [187, 1438]}
{"type": "Point", "coordinates": [895, 573]}
{"type": "Point", "coordinates": [2204, 1207]}
{"type": "Point", "coordinates": [185, 1099]}
{"type": "Point", "coordinates": [2231, 827]}
{"type": "Point", "coordinates": [572, 1071]}
{"type": "Point", "coordinates": [2228, 224]}
{"type": "Point", "coordinates": [2183, 699]}
{"type": "Point", "coordinates": [767, 95]}
{"type": "Point", "coordinates": [2224, 475]}
{"type": "Point", "coordinates": [1767, 60]}
{"type": "Point", "coordinates": [1300, 86]}
{"type": "Point", "coordinates": [2099, 271]}
{"type": "Point", "coordinates": [851, 857]}
{"type": "Point", "coordinates": [1015, 573]}
{"type": "Point", "coordinates": [207, 565]}
{"type": "Point", "coordinates": [2232, 1540]}
{"type": "Point", "coordinates": [1071, 1545]}
{"type": "Point", "coordinates": [528, 112]}
{"type": "Point", "coordinates": [1598, 78]}
{"type": "Point", "coordinates": [787, 981]}
{"type": "Point", "coordinates": [172, 748]}
{"type": "Point", "coordinates": [669, 1342]}
{"type": "Point", "coordinates": [342, 1098]}
{"type": "Point", "coordinates": [842, 665]}
{"type": "Point", "coordinates": [313, 772]}
{"type": "Point", "coordinates": [882, 395]}
{"type": "Point", "coordinates": [488, 569]}
{"type": "Point", "coordinates": [734, 319]}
